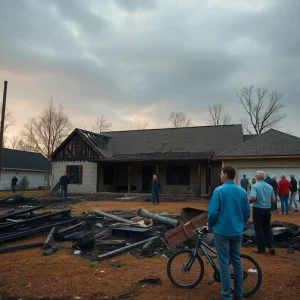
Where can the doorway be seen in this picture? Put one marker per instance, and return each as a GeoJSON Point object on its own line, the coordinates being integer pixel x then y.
{"type": "Point", "coordinates": [148, 172]}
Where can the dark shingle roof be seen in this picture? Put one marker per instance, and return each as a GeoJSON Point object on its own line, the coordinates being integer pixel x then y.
{"type": "Point", "coordinates": [16, 159]}
{"type": "Point", "coordinates": [248, 137]}
{"type": "Point", "coordinates": [194, 142]}
{"type": "Point", "coordinates": [270, 143]}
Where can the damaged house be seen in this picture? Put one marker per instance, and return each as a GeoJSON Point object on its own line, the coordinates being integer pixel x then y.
{"type": "Point", "coordinates": [183, 158]}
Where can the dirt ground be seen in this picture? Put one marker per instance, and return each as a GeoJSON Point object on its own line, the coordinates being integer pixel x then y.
{"type": "Point", "coordinates": [64, 275]}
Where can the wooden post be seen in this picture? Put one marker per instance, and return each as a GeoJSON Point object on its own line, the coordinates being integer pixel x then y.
{"type": "Point", "coordinates": [157, 170]}
{"type": "Point", "coordinates": [199, 178]}
{"type": "Point", "coordinates": [129, 178]}
{"type": "Point", "coordinates": [2, 126]}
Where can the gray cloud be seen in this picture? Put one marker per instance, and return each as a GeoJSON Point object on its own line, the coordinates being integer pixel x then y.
{"type": "Point", "coordinates": [126, 56]}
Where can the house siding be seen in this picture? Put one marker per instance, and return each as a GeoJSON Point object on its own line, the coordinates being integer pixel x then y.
{"type": "Point", "coordinates": [36, 179]}
{"type": "Point", "coordinates": [263, 163]}
{"type": "Point", "coordinates": [89, 176]}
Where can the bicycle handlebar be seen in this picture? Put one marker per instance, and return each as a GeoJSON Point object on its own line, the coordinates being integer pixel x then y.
{"type": "Point", "coordinates": [201, 229]}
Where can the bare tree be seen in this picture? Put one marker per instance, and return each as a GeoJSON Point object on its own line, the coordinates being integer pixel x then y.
{"type": "Point", "coordinates": [101, 125]}
{"type": "Point", "coordinates": [261, 115]}
{"type": "Point", "coordinates": [9, 120]}
{"type": "Point", "coordinates": [218, 115]}
{"type": "Point", "coordinates": [179, 119]}
{"type": "Point", "coordinates": [17, 143]}
{"type": "Point", "coordinates": [46, 132]}
{"type": "Point", "coordinates": [141, 125]}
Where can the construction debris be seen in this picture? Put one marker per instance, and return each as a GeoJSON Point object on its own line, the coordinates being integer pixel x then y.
{"type": "Point", "coordinates": [158, 218]}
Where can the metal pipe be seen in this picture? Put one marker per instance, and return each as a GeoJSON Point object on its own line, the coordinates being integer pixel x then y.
{"type": "Point", "coordinates": [164, 220]}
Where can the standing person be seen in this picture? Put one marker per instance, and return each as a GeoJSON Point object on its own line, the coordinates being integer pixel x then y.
{"type": "Point", "coordinates": [299, 190]}
{"type": "Point", "coordinates": [14, 182]}
{"type": "Point", "coordinates": [283, 190]}
{"type": "Point", "coordinates": [274, 185]}
{"type": "Point", "coordinates": [245, 183]}
{"type": "Point", "coordinates": [253, 181]}
{"type": "Point", "coordinates": [154, 188]}
{"type": "Point", "coordinates": [262, 195]}
{"type": "Point", "coordinates": [228, 213]}
{"type": "Point", "coordinates": [268, 178]}
{"type": "Point", "coordinates": [64, 181]}
{"type": "Point", "coordinates": [293, 195]}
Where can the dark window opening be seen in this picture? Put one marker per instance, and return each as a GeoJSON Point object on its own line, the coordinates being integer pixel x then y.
{"type": "Point", "coordinates": [75, 174]}
{"type": "Point", "coordinates": [178, 175]}
{"type": "Point", "coordinates": [108, 176]}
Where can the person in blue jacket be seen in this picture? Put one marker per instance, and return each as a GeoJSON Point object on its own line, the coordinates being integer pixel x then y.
{"type": "Point", "coordinates": [228, 214]}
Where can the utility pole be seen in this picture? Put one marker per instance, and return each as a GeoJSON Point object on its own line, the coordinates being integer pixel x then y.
{"type": "Point", "coordinates": [2, 126]}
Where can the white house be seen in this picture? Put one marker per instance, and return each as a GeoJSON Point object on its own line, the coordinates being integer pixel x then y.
{"type": "Point", "coordinates": [21, 163]}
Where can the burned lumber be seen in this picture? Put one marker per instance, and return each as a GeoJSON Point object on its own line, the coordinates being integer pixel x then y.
{"type": "Point", "coordinates": [156, 217]}
{"type": "Point", "coordinates": [111, 216]}
{"type": "Point", "coordinates": [49, 238]}
{"type": "Point", "coordinates": [51, 250]}
{"type": "Point", "coordinates": [85, 242]}
{"type": "Point", "coordinates": [10, 213]}
{"type": "Point", "coordinates": [30, 232]}
{"type": "Point", "coordinates": [20, 247]}
{"type": "Point", "coordinates": [126, 248]}
{"type": "Point", "coordinates": [110, 243]}
{"type": "Point", "coordinates": [33, 220]}
{"type": "Point", "coordinates": [101, 233]}
{"type": "Point", "coordinates": [74, 228]}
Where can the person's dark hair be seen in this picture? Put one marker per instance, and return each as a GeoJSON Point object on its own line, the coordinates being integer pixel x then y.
{"type": "Point", "coordinates": [229, 171]}
{"type": "Point", "coordinates": [244, 175]}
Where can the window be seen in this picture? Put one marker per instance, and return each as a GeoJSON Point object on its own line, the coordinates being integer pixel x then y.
{"type": "Point", "coordinates": [178, 175]}
{"type": "Point", "coordinates": [108, 175]}
{"type": "Point", "coordinates": [75, 174]}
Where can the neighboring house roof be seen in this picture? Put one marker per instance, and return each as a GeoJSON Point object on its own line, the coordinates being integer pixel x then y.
{"type": "Point", "coordinates": [248, 137]}
{"type": "Point", "coordinates": [22, 160]}
{"type": "Point", "coordinates": [270, 143]}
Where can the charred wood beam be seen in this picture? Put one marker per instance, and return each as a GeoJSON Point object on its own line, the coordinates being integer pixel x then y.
{"type": "Point", "coordinates": [49, 238]}
{"type": "Point", "coordinates": [18, 235]}
{"type": "Point", "coordinates": [20, 247]}
{"type": "Point", "coordinates": [10, 214]}
{"type": "Point", "coordinates": [111, 216]}
{"type": "Point", "coordinates": [158, 218]}
{"type": "Point", "coordinates": [34, 219]}
{"type": "Point", "coordinates": [66, 231]}
{"type": "Point", "coordinates": [124, 249]}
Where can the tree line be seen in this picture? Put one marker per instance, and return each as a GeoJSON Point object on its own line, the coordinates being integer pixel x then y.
{"type": "Point", "coordinates": [46, 132]}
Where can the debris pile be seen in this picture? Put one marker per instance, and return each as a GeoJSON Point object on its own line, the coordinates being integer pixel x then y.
{"type": "Point", "coordinates": [95, 236]}
{"type": "Point", "coordinates": [286, 235]}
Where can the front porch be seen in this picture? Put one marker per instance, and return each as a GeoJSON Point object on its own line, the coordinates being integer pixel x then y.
{"type": "Point", "coordinates": [175, 177]}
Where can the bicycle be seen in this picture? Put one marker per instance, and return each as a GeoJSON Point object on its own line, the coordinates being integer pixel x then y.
{"type": "Point", "coordinates": [187, 263]}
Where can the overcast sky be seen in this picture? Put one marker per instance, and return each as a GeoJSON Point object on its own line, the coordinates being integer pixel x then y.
{"type": "Point", "coordinates": [138, 60]}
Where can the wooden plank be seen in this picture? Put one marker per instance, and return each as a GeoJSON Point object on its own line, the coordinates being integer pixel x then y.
{"type": "Point", "coordinates": [110, 242]}
{"type": "Point", "coordinates": [20, 247]}
{"type": "Point", "coordinates": [104, 214]}
{"type": "Point", "coordinates": [199, 178]}
{"type": "Point", "coordinates": [124, 249]}
{"type": "Point", "coordinates": [99, 234]}
{"type": "Point", "coordinates": [11, 214]}
{"type": "Point", "coordinates": [49, 238]}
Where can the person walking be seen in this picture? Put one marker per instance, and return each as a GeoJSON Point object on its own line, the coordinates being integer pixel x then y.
{"type": "Point", "coordinates": [274, 185]}
{"type": "Point", "coordinates": [14, 182]}
{"type": "Point", "coordinates": [64, 181]}
{"type": "Point", "coordinates": [293, 194]}
{"type": "Point", "coordinates": [244, 183]}
{"type": "Point", "coordinates": [267, 178]}
{"type": "Point", "coordinates": [283, 189]}
{"type": "Point", "coordinates": [154, 188]}
{"type": "Point", "coordinates": [262, 195]}
{"type": "Point", "coordinates": [228, 214]}
{"type": "Point", "coordinates": [253, 181]}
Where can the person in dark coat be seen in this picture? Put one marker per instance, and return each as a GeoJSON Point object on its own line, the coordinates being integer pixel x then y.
{"type": "Point", "coordinates": [274, 185]}
{"type": "Point", "coordinates": [14, 182]}
{"type": "Point", "coordinates": [267, 178]}
{"type": "Point", "coordinates": [244, 183]}
{"type": "Point", "coordinates": [154, 188]}
{"type": "Point", "coordinates": [64, 181]}
{"type": "Point", "coordinates": [293, 194]}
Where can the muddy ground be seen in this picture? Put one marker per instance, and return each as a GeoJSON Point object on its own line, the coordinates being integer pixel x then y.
{"type": "Point", "coordinates": [65, 276]}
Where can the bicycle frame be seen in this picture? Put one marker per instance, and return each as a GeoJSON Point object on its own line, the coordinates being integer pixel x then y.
{"type": "Point", "coordinates": [201, 245]}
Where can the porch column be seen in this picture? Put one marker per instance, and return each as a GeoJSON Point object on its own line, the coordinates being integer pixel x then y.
{"type": "Point", "coordinates": [129, 178]}
{"type": "Point", "coordinates": [157, 169]}
{"type": "Point", "coordinates": [199, 178]}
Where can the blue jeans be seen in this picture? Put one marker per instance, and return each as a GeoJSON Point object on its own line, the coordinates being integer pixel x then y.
{"type": "Point", "coordinates": [64, 191]}
{"type": "Point", "coordinates": [293, 200]}
{"type": "Point", "coordinates": [229, 249]}
{"type": "Point", "coordinates": [154, 196]}
{"type": "Point", "coordinates": [284, 199]}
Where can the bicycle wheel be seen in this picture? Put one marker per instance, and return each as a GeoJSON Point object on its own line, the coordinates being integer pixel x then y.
{"type": "Point", "coordinates": [177, 273]}
{"type": "Point", "coordinates": [252, 275]}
